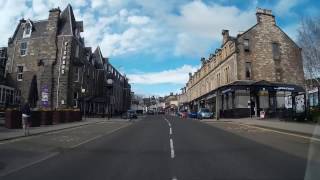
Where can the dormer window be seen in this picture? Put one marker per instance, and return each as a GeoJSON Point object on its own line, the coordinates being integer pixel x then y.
{"type": "Point", "coordinates": [27, 30]}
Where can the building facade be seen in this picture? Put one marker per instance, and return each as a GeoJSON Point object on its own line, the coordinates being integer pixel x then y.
{"type": "Point", "coordinates": [258, 70]}
{"type": "Point", "coordinates": [3, 61]}
{"type": "Point", "coordinates": [9, 96]}
{"type": "Point", "coordinates": [68, 74]}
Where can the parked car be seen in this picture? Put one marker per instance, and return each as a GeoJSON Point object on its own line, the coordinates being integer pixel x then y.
{"type": "Point", "coordinates": [161, 112]}
{"type": "Point", "coordinates": [150, 112]}
{"type": "Point", "coordinates": [130, 114]}
{"type": "Point", "coordinates": [183, 114]}
{"type": "Point", "coordinates": [204, 113]}
{"type": "Point", "coordinates": [192, 114]}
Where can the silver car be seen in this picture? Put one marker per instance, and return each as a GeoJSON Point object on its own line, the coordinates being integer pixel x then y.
{"type": "Point", "coordinates": [204, 113]}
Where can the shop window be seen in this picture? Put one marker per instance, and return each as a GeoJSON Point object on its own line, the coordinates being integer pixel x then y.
{"type": "Point", "coordinates": [313, 99]}
{"type": "Point", "coordinates": [248, 70]}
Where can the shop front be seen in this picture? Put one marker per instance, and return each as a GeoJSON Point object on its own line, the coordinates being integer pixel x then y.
{"type": "Point", "coordinates": [262, 99]}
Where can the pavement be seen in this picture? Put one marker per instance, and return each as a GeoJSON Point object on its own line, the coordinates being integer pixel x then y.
{"type": "Point", "coordinates": [8, 134]}
{"type": "Point", "coordinates": [161, 147]}
{"type": "Point", "coordinates": [302, 128]}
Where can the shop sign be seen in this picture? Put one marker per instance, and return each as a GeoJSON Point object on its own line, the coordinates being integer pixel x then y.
{"type": "Point", "coordinates": [314, 90]}
{"type": "Point", "coordinates": [227, 90]}
{"type": "Point", "coordinates": [284, 88]}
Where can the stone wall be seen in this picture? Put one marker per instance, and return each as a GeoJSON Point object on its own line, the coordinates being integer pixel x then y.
{"type": "Point", "coordinates": [260, 54]}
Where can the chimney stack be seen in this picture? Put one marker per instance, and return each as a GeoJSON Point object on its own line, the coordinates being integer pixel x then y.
{"type": "Point", "coordinates": [225, 34]}
{"type": "Point", "coordinates": [203, 60]}
{"type": "Point", "coordinates": [265, 16]}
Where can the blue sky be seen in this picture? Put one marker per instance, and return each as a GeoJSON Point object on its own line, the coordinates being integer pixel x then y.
{"type": "Point", "coordinates": [157, 42]}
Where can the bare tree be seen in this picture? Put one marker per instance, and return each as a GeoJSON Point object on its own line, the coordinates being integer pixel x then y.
{"type": "Point", "coordinates": [309, 41]}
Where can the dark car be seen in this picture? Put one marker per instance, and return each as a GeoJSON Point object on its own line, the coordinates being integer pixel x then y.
{"type": "Point", "coordinates": [161, 112]}
{"type": "Point", "coordinates": [130, 114]}
{"type": "Point", "coordinates": [150, 112]}
{"type": "Point", "coordinates": [192, 115]}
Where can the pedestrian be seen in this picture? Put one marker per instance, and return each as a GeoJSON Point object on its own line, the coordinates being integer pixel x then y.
{"type": "Point", "coordinates": [26, 112]}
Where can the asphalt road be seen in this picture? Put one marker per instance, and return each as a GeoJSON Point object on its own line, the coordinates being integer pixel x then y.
{"type": "Point", "coordinates": [166, 147]}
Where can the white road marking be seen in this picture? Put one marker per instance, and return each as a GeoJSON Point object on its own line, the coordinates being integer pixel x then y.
{"type": "Point", "coordinates": [174, 178]}
{"type": "Point", "coordinates": [171, 141]}
{"type": "Point", "coordinates": [172, 148]}
{"type": "Point", "coordinates": [56, 153]}
{"type": "Point", "coordinates": [99, 136]}
{"type": "Point", "coordinates": [29, 164]}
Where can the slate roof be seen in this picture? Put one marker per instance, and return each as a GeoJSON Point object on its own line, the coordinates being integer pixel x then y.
{"type": "Point", "coordinates": [67, 25]}
{"type": "Point", "coordinates": [98, 58]}
{"type": "Point", "coordinates": [66, 22]}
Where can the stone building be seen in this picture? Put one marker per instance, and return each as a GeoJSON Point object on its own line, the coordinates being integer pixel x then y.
{"type": "Point", "coordinates": [68, 74]}
{"type": "Point", "coordinates": [258, 70]}
{"type": "Point", "coordinates": [3, 61]}
{"type": "Point", "coordinates": [171, 103]}
{"type": "Point", "coordinates": [9, 96]}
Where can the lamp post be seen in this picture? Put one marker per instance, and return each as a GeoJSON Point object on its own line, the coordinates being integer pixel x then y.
{"type": "Point", "coordinates": [109, 86]}
{"type": "Point", "coordinates": [83, 91]}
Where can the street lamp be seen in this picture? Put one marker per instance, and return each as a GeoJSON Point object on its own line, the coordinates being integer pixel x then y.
{"type": "Point", "coordinates": [83, 91]}
{"type": "Point", "coordinates": [109, 86]}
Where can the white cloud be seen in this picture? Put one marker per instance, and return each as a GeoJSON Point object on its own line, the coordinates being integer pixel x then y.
{"type": "Point", "coordinates": [176, 26]}
{"type": "Point", "coordinates": [131, 40]}
{"type": "Point", "coordinates": [11, 11]}
{"type": "Point", "coordinates": [173, 76]}
{"type": "Point", "coordinates": [138, 20]}
{"type": "Point", "coordinates": [200, 23]}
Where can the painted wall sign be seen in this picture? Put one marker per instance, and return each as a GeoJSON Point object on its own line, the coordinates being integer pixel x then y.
{"type": "Point", "coordinates": [314, 90]}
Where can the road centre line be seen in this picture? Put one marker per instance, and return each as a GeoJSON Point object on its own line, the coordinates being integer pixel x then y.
{"type": "Point", "coordinates": [172, 148]}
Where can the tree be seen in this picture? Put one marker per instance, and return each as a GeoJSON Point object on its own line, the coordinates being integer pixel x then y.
{"type": "Point", "coordinates": [309, 41]}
